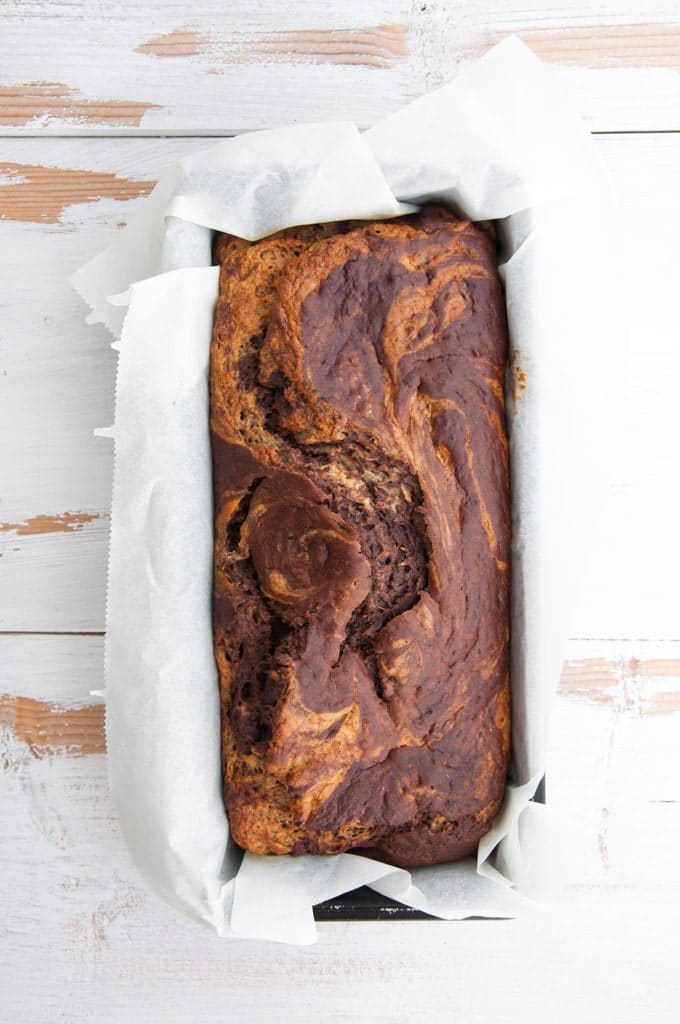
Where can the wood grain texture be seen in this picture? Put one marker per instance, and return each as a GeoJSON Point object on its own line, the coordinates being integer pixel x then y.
{"type": "Point", "coordinates": [56, 387]}
{"type": "Point", "coordinates": [179, 42]}
{"type": "Point", "coordinates": [632, 685]}
{"type": "Point", "coordinates": [51, 729]}
{"type": "Point", "coordinates": [165, 67]}
{"type": "Point", "coordinates": [66, 522]}
{"type": "Point", "coordinates": [38, 194]}
{"type": "Point", "coordinates": [376, 46]}
{"type": "Point", "coordinates": [636, 44]}
{"type": "Point", "coordinates": [25, 103]}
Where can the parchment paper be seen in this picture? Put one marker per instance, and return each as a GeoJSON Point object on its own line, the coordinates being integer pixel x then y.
{"type": "Point", "coordinates": [497, 142]}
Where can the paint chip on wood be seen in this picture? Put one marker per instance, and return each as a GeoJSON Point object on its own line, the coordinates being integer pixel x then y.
{"type": "Point", "coordinates": [377, 46]}
{"type": "Point", "coordinates": [592, 680]}
{"type": "Point", "coordinates": [65, 522]}
{"type": "Point", "coordinates": [663, 702]}
{"type": "Point", "coordinates": [374, 46]}
{"type": "Point", "coordinates": [631, 686]}
{"type": "Point", "coordinates": [48, 101]}
{"type": "Point", "coordinates": [181, 42]}
{"type": "Point", "coordinates": [49, 729]}
{"type": "Point", "coordinates": [604, 46]}
{"type": "Point", "coordinates": [37, 194]}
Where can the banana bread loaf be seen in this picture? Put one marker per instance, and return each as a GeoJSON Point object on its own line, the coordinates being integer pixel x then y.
{"type": "Point", "coordinates": [361, 582]}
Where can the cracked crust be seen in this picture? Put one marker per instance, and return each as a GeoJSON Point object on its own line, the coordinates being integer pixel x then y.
{"type": "Point", "coordinates": [361, 595]}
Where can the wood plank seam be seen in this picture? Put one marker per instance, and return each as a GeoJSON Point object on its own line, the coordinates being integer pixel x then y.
{"type": "Point", "coordinates": [29, 101]}
{"type": "Point", "coordinates": [229, 133]}
{"type": "Point", "coordinates": [631, 686]}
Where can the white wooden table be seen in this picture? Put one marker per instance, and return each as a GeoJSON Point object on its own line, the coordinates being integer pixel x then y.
{"type": "Point", "coordinates": [94, 100]}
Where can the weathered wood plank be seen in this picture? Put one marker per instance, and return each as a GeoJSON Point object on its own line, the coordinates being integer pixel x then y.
{"type": "Point", "coordinates": [50, 686]}
{"type": "Point", "coordinates": [58, 207]}
{"type": "Point", "coordinates": [47, 707]}
{"type": "Point", "coordinates": [62, 669]}
{"type": "Point", "coordinates": [56, 386]}
{"type": "Point", "coordinates": [60, 728]}
{"type": "Point", "coordinates": [109, 951]}
{"type": "Point", "coordinates": [81, 68]}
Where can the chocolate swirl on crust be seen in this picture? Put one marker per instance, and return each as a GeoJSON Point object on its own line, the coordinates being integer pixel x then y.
{"type": "Point", "coordinates": [361, 537]}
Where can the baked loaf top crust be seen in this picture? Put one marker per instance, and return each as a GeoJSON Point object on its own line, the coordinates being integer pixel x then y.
{"type": "Point", "coordinates": [361, 602]}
